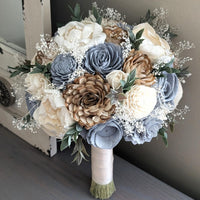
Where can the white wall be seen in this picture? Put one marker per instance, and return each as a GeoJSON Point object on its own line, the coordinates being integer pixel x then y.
{"type": "Point", "coordinates": [11, 22]}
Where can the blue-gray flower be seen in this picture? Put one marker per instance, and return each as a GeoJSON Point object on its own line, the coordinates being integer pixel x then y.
{"type": "Point", "coordinates": [104, 136]}
{"type": "Point", "coordinates": [168, 87]}
{"type": "Point", "coordinates": [32, 105]}
{"type": "Point", "coordinates": [151, 128]}
{"type": "Point", "coordinates": [61, 68]}
{"type": "Point", "coordinates": [104, 58]}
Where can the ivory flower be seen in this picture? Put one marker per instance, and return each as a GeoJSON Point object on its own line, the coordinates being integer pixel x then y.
{"type": "Point", "coordinates": [153, 45]}
{"type": "Point", "coordinates": [79, 35]}
{"type": "Point", "coordinates": [36, 84]}
{"type": "Point", "coordinates": [140, 101]}
{"type": "Point", "coordinates": [114, 78]}
{"type": "Point", "coordinates": [52, 114]}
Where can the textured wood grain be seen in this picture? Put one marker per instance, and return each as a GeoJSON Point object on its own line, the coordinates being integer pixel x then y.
{"type": "Point", "coordinates": [26, 173]}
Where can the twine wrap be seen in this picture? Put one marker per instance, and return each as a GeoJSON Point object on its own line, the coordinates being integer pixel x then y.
{"type": "Point", "coordinates": [102, 185]}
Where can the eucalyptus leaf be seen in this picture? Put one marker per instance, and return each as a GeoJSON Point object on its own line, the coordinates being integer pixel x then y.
{"type": "Point", "coordinates": [77, 10]}
{"type": "Point", "coordinates": [164, 135]}
{"type": "Point", "coordinates": [64, 145]}
{"type": "Point", "coordinates": [36, 70]}
{"type": "Point", "coordinates": [15, 73]}
{"type": "Point", "coordinates": [122, 83]}
{"type": "Point", "coordinates": [138, 43]}
{"type": "Point", "coordinates": [78, 127]}
{"type": "Point", "coordinates": [139, 34]}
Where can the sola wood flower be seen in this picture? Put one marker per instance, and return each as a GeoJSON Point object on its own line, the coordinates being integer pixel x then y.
{"type": "Point", "coordinates": [103, 58]}
{"type": "Point", "coordinates": [86, 100]}
{"type": "Point", "coordinates": [52, 114]}
{"type": "Point", "coordinates": [153, 45]}
{"type": "Point", "coordinates": [140, 101]}
{"type": "Point", "coordinates": [115, 34]}
{"type": "Point", "coordinates": [142, 64]}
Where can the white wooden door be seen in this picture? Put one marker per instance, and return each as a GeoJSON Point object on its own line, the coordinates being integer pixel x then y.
{"type": "Point", "coordinates": [36, 21]}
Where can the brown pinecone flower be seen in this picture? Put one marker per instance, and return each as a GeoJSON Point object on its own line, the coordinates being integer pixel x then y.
{"type": "Point", "coordinates": [142, 64]}
{"type": "Point", "coordinates": [86, 100]}
{"type": "Point", "coordinates": [115, 34]}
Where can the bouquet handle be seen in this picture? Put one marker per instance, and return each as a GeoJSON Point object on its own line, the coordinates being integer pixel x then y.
{"type": "Point", "coordinates": [102, 185]}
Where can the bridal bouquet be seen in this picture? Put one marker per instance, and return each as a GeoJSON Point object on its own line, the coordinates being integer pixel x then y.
{"type": "Point", "coordinates": [101, 80]}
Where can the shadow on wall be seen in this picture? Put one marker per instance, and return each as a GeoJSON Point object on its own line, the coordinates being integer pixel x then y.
{"type": "Point", "coordinates": [179, 164]}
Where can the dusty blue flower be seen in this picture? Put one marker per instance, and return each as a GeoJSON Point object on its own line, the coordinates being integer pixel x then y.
{"type": "Point", "coordinates": [32, 105]}
{"type": "Point", "coordinates": [151, 128]}
{"type": "Point", "coordinates": [104, 136]}
{"type": "Point", "coordinates": [62, 67]}
{"type": "Point", "coordinates": [104, 58]}
{"type": "Point", "coordinates": [168, 87]}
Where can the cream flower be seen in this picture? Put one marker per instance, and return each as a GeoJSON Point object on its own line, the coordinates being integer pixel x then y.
{"type": "Point", "coordinates": [53, 115]}
{"type": "Point", "coordinates": [79, 35]}
{"type": "Point", "coordinates": [114, 78]}
{"type": "Point", "coordinates": [140, 101]}
{"type": "Point", "coordinates": [36, 84]}
{"type": "Point", "coordinates": [153, 45]}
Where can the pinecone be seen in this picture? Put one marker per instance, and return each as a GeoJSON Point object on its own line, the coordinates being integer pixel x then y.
{"type": "Point", "coordinates": [115, 34]}
{"type": "Point", "coordinates": [142, 64]}
{"type": "Point", "coordinates": [39, 57]}
{"type": "Point", "coordinates": [85, 99]}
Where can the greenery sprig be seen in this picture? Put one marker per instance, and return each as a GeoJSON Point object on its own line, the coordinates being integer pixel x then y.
{"type": "Point", "coordinates": [21, 69]}
{"type": "Point", "coordinates": [164, 135]}
{"type": "Point", "coordinates": [166, 67]}
{"type": "Point", "coordinates": [136, 40]}
{"type": "Point", "coordinates": [76, 12]}
{"type": "Point", "coordinates": [72, 135]}
{"type": "Point", "coordinates": [32, 69]}
{"type": "Point", "coordinates": [183, 72]}
{"type": "Point", "coordinates": [97, 15]}
{"type": "Point", "coordinates": [43, 69]}
{"type": "Point", "coordinates": [126, 85]}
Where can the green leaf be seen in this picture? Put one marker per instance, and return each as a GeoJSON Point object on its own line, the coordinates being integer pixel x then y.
{"type": "Point", "coordinates": [77, 10]}
{"type": "Point", "coordinates": [138, 43]}
{"type": "Point", "coordinates": [131, 36]}
{"type": "Point", "coordinates": [139, 34]}
{"type": "Point", "coordinates": [164, 135]}
{"type": "Point", "coordinates": [130, 81]}
{"type": "Point", "coordinates": [71, 131]}
{"type": "Point", "coordinates": [170, 63]}
{"type": "Point", "coordinates": [70, 8]}
{"type": "Point", "coordinates": [15, 73]}
{"type": "Point", "coordinates": [69, 141]}
{"type": "Point", "coordinates": [148, 15]}
{"type": "Point", "coordinates": [122, 83]}
{"type": "Point", "coordinates": [96, 15]}
{"type": "Point", "coordinates": [95, 12]}
{"type": "Point", "coordinates": [78, 127]}
{"type": "Point", "coordinates": [64, 145]}
{"type": "Point", "coordinates": [171, 126]}
{"type": "Point", "coordinates": [79, 152]}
